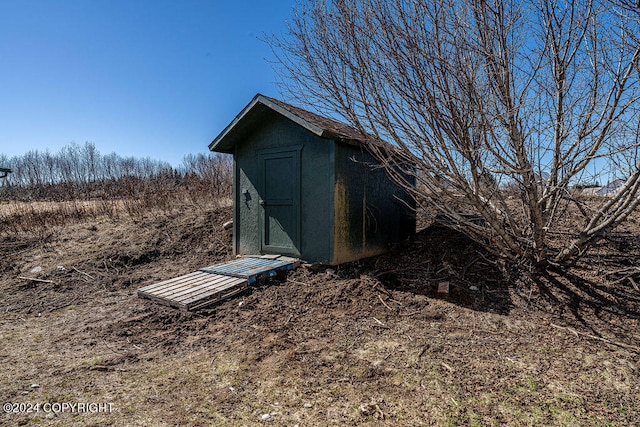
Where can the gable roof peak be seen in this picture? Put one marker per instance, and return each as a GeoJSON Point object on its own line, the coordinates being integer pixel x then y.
{"type": "Point", "coordinates": [321, 126]}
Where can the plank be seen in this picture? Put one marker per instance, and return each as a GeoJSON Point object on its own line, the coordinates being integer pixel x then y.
{"type": "Point", "coordinates": [192, 281]}
{"type": "Point", "coordinates": [250, 268]}
{"type": "Point", "coordinates": [295, 262]}
{"type": "Point", "coordinates": [162, 301]}
{"type": "Point", "coordinates": [221, 285]}
{"type": "Point", "coordinates": [188, 299]}
{"type": "Point", "coordinates": [193, 290]}
{"type": "Point", "coordinates": [211, 284]}
{"type": "Point", "coordinates": [205, 303]}
{"type": "Point", "coordinates": [203, 278]}
{"type": "Point", "coordinates": [165, 282]}
{"type": "Point", "coordinates": [215, 282]}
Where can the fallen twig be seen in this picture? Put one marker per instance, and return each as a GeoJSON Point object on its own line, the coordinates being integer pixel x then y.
{"type": "Point", "coordinates": [381, 324]}
{"type": "Point", "coordinates": [104, 368]}
{"type": "Point", "coordinates": [397, 270]}
{"type": "Point", "coordinates": [384, 303]}
{"type": "Point", "coordinates": [627, 273]}
{"type": "Point", "coordinates": [449, 368]}
{"type": "Point", "coordinates": [378, 321]}
{"type": "Point", "coordinates": [595, 337]}
{"type": "Point", "coordinates": [36, 280]}
{"type": "Point", "coordinates": [64, 305]}
{"type": "Point", "coordinates": [623, 270]}
{"type": "Point", "coordinates": [297, 283]}
{"type": "Point", "coordinates": [423, 351]}
{"type": "Point", "coordinates": [411, 314]}
{"type": "Point", "coordinates": [492, 262]}
{"type": "Point", "coordinates": [82, 272]}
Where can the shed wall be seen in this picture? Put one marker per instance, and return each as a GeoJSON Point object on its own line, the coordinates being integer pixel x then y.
{"type": "Point", "coordinates": [316, 187]}
{"type": "Point", "coordinates": [371, 211]}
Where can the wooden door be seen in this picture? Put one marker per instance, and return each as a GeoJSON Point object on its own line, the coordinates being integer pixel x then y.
{"type": "Point", "coordinates": [280, 201]}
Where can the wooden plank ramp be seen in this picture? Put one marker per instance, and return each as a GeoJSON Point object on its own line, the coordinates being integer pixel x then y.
{"type": "Point", "coordinates": [193, 290]}
{"type": "Point", "coordinates": [253, 268]}
{"type": "Point", "coordinates": [215, 283]}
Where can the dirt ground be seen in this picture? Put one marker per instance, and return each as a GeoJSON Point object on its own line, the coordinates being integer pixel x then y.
{"type": "Point", "coordinates": [365, 343]}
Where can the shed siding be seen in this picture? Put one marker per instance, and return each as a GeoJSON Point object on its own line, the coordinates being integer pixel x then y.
{"type": "Point", "coordinates": [370, 210]}
{"type": "Point", "coordinates": [316, 178]}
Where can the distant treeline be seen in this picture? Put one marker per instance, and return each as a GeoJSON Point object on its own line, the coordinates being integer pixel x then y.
{"type": "Point", "coordinates": [82, 172]}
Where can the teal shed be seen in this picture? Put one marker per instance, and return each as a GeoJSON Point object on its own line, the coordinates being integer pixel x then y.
{"type": "Point", "coordinates": [306, 186]}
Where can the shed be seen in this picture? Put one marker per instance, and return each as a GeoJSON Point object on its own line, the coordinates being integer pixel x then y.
{"type": "Point", "coordinates": [4, 172]}
{"type": "Point", "coordinates": [306, 186]}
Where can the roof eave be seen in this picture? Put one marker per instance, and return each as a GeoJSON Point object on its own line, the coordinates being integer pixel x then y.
{"type": "Point", "coordinates": [225, 142]}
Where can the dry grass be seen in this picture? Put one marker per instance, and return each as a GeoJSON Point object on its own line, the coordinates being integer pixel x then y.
{"type": "Point", "coordinates": [370, 343]}
{"type": "Point", "coordinates": [40, 217]}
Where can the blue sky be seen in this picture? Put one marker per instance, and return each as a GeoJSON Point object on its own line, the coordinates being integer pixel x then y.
{"type": "Point", "coordinates": [142, 78]}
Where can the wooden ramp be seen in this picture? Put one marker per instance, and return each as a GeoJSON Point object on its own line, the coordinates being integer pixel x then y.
{"type": "Point", "coordinates": [252, 268]}
{"type": "Point", "coordinates": [193, 290]}
{"type": "Point", "coordinates": [212, 284]}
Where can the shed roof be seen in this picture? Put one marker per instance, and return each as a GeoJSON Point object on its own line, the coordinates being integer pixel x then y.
{"type": "Point", "coordinates": [251, 114]}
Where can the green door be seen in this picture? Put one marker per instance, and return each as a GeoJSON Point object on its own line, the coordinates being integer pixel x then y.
{"type": "Point", "coordinates": [280, 201]}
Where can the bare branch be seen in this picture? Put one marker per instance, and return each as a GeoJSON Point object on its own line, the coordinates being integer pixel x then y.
{"type": "Point", "coordinates": [498, 108]}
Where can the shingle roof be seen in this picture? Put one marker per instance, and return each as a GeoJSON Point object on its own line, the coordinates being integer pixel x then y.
{"type": "Point", "coordinates": [340, 130]}
{"type": "Point", "coordinates": [249, 116]}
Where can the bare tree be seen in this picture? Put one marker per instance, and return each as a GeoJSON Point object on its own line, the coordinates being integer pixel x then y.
{"type": "Point", "coordinates": [82, 172]}
{"type": "Point", "coordinates": [212, 172]}
{"type": "Point", "coordinates": [531, 95]}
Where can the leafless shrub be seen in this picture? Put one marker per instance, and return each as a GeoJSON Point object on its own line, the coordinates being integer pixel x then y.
{"type": "Point", "coordinates": [207, 177]}
{"type": "Point", "coordinates": [79, 184]}
{"type": "Point", "coordinates": [536, 95]}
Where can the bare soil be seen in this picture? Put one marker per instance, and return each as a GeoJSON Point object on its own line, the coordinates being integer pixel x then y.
{"type": "Point", "coordinates": [364, 343]}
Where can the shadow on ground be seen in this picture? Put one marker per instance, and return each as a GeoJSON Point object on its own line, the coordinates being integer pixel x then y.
{"type": "Point", "coordinates": [603, 301]}
{"type": "Point", "coordinates": [434, 256]}
{"type": "Point", "coordinates": [599, 295]}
